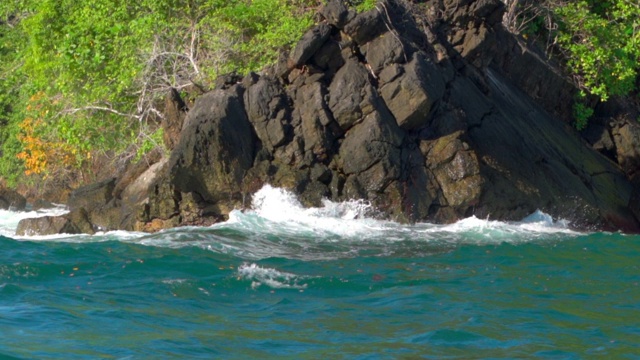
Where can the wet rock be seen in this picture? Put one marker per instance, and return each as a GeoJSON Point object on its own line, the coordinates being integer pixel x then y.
{"type": "Point", "coordinates": [419, 140]}
{"type": "Point", "coordinates": [75, 222]}
{"type": "Point", "coordinates": [45, 225]}
{"type": "Point", "coordinates": [41, 204]}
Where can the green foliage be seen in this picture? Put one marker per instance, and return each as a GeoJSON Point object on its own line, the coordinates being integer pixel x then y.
{"type": "Point", "coordinates": [597, 40]}
{"type": "Point", "coordinates": [581, 113]}
{"type": "Point", "coordinates": [78, 78]}
{"type": "Point", "coordinates": [365, 5]}
{"type": "Point", "coordinates": [149, 142]}
{"type": "Point", "coordinates": [252, 32]}
{"type": "Point", "coordinates": [602, 43]}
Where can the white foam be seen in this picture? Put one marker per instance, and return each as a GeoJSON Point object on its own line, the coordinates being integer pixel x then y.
{"type": "Point", "coordinates": [278, 225]}
{"type": "Point", "coordinates": [285, 214]}
{"type": "Point", "coordinates": [270, 277]}
{"type": "Point", "coordinates": [9, 219]}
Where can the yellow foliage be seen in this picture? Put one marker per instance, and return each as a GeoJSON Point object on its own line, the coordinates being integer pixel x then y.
{"type": "Point", "coordinates": [40, 154]}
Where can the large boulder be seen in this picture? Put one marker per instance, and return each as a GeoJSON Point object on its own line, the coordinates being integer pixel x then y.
{"type": "Point", "coordinates": [456, 169]}
{"type": "Point", "coordinates": [75, 222]}
{"type": "Point", "coordinates": [351, 95]}
{"type": "Point", "coordinates": [267, 110]}
{"type": "Point", "coordinates": [366, 26]}
{"type": "Point", "coordinates": [336, 13]}
{"type": "Point", "coordinates": [384, 50]}
{"type": "Point", "coordinates": [411, 95]}
{"type": "Point", "coordinates": [216, 149]}
{"type": "Point", "coordinates": [311, 42]}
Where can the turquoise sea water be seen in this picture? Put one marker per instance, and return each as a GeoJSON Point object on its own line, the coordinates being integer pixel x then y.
{"type": "Point", "coordinates": [287, 283]}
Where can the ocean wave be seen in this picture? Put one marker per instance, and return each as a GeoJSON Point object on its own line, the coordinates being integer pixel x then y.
{"type": "Point", "coordinates": [270, 277]}
{"type": "Point", "coordinates": [277, 225]}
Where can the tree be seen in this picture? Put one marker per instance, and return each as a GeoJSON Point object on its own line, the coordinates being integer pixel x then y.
{"type": "Point", "coordinates": [82, 79]}
{"type": "Point", "coordinates": [599, 41]}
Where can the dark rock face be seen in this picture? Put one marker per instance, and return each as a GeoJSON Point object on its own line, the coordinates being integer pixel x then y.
{"type": "Point", "coordinates": [175, 112]}
{"type": "Point", "coordinates": [215, 150]}
{"type": "Point", "coordinates": [92, 196]}
{"type": "Point", "coordinates": [310, 44]}
{"type": "Point", "coordinates": [430, 122]}
{"type": "Point", "coordinates": [411, 95]}
{"type": "Point", "coordinates": [11, 200]}
{"type": "Point", "coordinates": [351, 95]}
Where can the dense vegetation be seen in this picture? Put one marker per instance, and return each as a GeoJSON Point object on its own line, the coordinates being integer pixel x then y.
{"type": "Point", "coordinates": [84, 79]}
{"type": "Point", "coordinates": [81, 81]}
{"type": "Point", "coordinates": [598, 40]}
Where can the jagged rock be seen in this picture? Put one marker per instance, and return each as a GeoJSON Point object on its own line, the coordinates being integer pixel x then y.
{"type": "Point", "coordinates": [462, 12]}
{"type": "Point", "coordinates": [216, 148]}
{"type": "Point", "coordinates": [41, 204]}
{"type": "Point", "coordinates": [366, 26]}
{"type": "Point", "coordinates": [133, 172]}
{"type": "Point", "coordinates": [336, 13]}
{"type": "Point", "coordinates": [266, 107]}
{"type": "Point", "coordinates": [351, 94]}
{"type": "Point", "coordinates": [376, 138]}
{"type": "Point", "coordinates": [311, 41]}
{"type": "Point", "coordinates": [11, 200]}
{"type": "Point", "coordinates": [329, 57]}
{"type": "Point", "coordinates": [315, 121]}
{"type": "Point", "coordinates": [78, 222]}
{"type": "Point", "coordinates": [175, 111]}
{"type": "Point", "coordinates": [384, 50]}
{"type": "Point", "coordinates": [411, 95]}
{"type": "Point", "coordinates": [532, 161]}
{"type": "Point", "coordinates": [478, 46]}
{"type": "Point", "coordinates": [457, 170]}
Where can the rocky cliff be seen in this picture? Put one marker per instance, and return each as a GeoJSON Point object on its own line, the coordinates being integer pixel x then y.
{"type": "Point", "coordinates": [430, 111]}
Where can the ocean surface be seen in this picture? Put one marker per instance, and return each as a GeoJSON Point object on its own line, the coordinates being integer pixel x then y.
{"type": "Point", "coordinates": [283, 282]}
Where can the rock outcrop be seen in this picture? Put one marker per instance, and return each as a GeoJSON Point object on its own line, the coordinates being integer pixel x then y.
{"type": "Point", "coordinates": [433, 118]}
{"type": "Point", "coordinates": [11, 200]}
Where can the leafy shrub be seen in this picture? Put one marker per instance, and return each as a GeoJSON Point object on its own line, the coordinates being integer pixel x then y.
{"type": "Point", "coordinates": [98, 70]}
